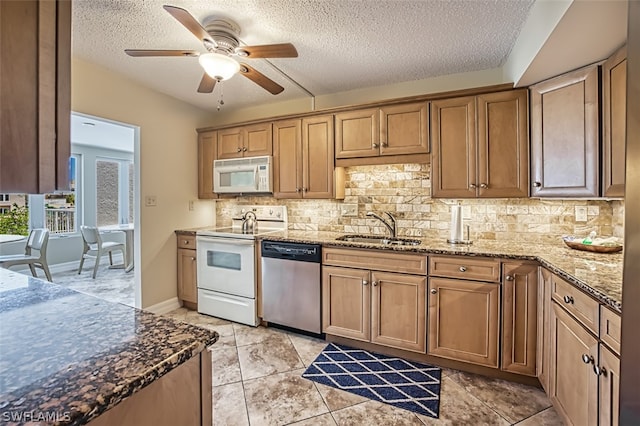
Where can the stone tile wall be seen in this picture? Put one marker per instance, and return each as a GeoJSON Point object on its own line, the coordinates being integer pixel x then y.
{"type": "Point", "coordinates": [405, 190]}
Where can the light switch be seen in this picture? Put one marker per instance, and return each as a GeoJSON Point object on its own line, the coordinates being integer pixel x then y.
{"type": "Point", "coordinates": [151, 201]}
{"type": "Point", "coordinates": [191, 205]}
{"type": "Point", "coordinates": [581, 213]}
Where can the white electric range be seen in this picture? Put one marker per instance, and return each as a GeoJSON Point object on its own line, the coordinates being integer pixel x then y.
{"type": "Point", "coordinates": [226, 272]}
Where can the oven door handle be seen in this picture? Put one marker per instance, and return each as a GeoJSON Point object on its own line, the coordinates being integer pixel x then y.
{"type": "Point", "coordinates": [232, 241]}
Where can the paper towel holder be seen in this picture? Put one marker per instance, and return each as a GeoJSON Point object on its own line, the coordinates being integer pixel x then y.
{"type": "Point", "coordinates": [465, 241]}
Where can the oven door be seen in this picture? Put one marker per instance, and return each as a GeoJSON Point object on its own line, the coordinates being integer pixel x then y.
{"type": "Point", "coordinates": [226, 265]}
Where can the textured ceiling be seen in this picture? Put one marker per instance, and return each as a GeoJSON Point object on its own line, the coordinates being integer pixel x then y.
{"type": "Point", "coordinates": [342, 44]}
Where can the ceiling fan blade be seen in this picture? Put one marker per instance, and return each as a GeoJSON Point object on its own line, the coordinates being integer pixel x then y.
{"type": "Point", "coordinates": [191, 23]}
{"type": "Point", "coordinates": [282, 50]}
{"type": "Point", "coordinates": [261, 79]}
{"type": "Point", "coordinates": [207, 84]}
{"type": "Point", "coordinates": [152, 52]}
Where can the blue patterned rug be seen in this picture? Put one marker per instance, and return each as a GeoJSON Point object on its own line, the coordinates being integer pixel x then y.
{"type": "Point", "coordinates": [395, 381]}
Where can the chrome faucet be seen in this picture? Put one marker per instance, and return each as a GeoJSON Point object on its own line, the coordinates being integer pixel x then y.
{"type": "Point", "coordinates": [390, 226]}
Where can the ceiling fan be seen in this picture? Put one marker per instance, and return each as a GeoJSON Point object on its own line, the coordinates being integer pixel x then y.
{"type": "Point", "coordinates": [220, 38]}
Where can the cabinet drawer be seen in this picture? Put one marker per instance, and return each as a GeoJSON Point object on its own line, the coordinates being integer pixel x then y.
{"type": "Point", "coordinates": [582, 307]}
{"type": "Point", "coordinates": [379, 260]}
{"type": "Point", "coordinates": [610, 328]}
{"type": "Point", "coordinates": [465, 267]}
{"type": "Point", "coordinates": [186, 241]}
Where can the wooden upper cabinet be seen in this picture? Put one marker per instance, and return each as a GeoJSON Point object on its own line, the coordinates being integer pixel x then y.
{"type": "Point", "coordinates": [503, 144]}
{"type": "Point", "coordinates": [404, 129]}
{"type": "Point", "coordinates": [614, 99]}
{"type": "Point", "coordinates": [519, 317]}
{"type": "Point", "coordinates": [453, 138]}
{"type": "Point", "coordinates": [358, 133]}
{"type": "Point", "coordinates": [207, 143]}
{"type": "Point", "coordinates": [230, 142]}
{"type": "Point", "coordinates": [480, 146]}
{"type": "Point", "coordinates": [246, 141]}
{"type": "Point", "coordinates": [564, 135]}
{"type": "Point", "coordinates": [287, 156]}
{"type": "Point", "coordinates": [35, 96]}
{"type": "Point", "coordinates": [318, 157]}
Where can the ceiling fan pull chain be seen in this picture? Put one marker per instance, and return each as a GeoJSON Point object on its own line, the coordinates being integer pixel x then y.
{"type": "Point", "coordinates": [221, 100]}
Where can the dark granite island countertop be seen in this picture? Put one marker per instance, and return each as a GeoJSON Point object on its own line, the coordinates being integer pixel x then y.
{"type": "Point", "coordinates": [66, 357]}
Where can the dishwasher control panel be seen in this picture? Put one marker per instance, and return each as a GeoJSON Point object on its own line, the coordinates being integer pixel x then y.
{"type": "Point", "coordinates": [292, 251]}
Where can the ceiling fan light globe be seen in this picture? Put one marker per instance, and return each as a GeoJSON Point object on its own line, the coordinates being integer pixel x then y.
{"type": "Point", "coordinates": [219, 66]}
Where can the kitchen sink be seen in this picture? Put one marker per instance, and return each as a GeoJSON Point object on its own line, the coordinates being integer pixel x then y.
{"type": "Point", "coordinates": [375, 239]}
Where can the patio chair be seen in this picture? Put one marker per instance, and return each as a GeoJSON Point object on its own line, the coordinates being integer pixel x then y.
{"type": "Point", "coordinates": [38, 240]}
{"type": "Point", "coordinates": [95, 247]}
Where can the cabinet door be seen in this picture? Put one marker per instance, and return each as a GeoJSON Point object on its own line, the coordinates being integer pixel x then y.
{"type": "Point", "coordinates": [564, 135]}
{"type": "Point", "coordinates": [317, 157]}
{"type": "Point", "coordinates": [464, 320]}
{"type": "Point", "coordinates": [519, 317]}
{"type": "Point", "coordinates": [187, 290]}
{"type": "Point", "coordinates": [346, 302]}
{"type": "Point", "coordinates": [503, 144]}
{"type": "Point", "coordinates": [544, 328]}
{"type": "Point", "coordinates": [258, 140]}
{"type": "Point", "coordinates": [404, 129]}
{"type": "Point", "coordinates": [230, 143]}
{"type": "Point", "coordinates": [614, 86]}
{"type": "Point", "coordinates": [207, 142]}
{"type": "Point", "coordinates": [609, 377]}
{"type": "Point", "coordinates": [357, 133]}
{"type": "Point", "coordinates": [287, 159]}
{"type": "Point", "coordinates": [574, 386]}
{"type": "Point", "coordinates": [398, 311]}
{"type": "Point", "coordinates": [453, 138]}
{"type": "Point", "coordinates": [35, 96]}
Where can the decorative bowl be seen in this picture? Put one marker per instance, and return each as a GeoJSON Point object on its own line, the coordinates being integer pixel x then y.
{"type": "Point", "coordinates": [576, 244]}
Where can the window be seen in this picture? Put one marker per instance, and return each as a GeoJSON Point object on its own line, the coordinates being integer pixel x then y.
{"type": "Point", "coordinates": [114, 191]}
{"type": "Point", "coordinates": [57, 212]}
{"type": "Point", "coordinates": [4, 197]}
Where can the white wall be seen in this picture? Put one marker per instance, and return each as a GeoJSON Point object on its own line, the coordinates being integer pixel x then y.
{"type": "Point", "coordinates": [167, 158]}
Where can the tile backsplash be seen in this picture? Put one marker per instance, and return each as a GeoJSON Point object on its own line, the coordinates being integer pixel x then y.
{"type": "Point", "coordinates": [405, 191]}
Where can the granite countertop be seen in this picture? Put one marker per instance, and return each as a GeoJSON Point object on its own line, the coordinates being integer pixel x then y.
{"type": "Point", "coordinates": [66, 357]}
{"type": "Point", "coordinates": [598, 274]}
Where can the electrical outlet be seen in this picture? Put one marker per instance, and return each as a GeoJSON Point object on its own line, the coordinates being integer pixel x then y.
{"type": "Point", "coordinates": [581, 213]}
{"type": "Point", "coordinates": [191, 205]}
{"type": "Point", "coordinates": [151, 201]}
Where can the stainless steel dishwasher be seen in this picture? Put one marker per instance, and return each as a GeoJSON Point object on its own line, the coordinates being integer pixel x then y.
{"type": "Point", "coordinates": [291, 285]}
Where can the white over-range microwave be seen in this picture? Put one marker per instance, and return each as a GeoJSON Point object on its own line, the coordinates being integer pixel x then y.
{"type": "Point", "coordinates": [243, 175]}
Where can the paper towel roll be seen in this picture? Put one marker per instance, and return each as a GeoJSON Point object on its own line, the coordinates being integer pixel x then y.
{"type": "Point", "coordinates": [456, 223]}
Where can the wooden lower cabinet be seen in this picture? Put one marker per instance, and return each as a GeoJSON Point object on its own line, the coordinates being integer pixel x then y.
{"type": "Point", "coordinates": [544, 328]}
{"type": "Point", "coordinates": [609, 378]}
{"type": "Point", "coordinates": [379, 307]}
{"type": "Point", "coordinates": [519, 317]}
{"type": "Point", "coordinates": [464, 320]}
{"type": "Point", "coordinates": [346, 301]}
{"type": "Point", "coordinates": [187, 270]}
{"type": "Point", "coordinates": [573, 384]}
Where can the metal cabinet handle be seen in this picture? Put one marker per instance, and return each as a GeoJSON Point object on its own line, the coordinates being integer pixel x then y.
{"type": "Point", "coordinates": [375, 145]}
{"type": "Point", "coordinates": [434, 291]}
{"type": "Point", "coordinates": [297, 189]}
{"type": "Point", "coordinates": [244, 149]}
{"type": "Point", "coordinates": [365, 282]}
{"type": "Point", "coordinates": [193, 258]}
{"type": "Point", "coordinates": [385, 144]}
{"type": "Point", "coordinates": [599, 371]}
{"type": "Point", "coordinates": [186, 242]}
{"type": "Point", "coordinates": [537, 184]}
{"type": "Point", "coordinates": [462, 269]}
{"type": "Point", "coordinates": [375, 283]}
{"type": "Point", "coordinates": [484, 186]}
{"type": "Point", "coordinates": [239, 149]}
{"type": "Point", "coordinates": [472, 186]}
{"type": "Point", "coordinates": [304, 189]}
{"type": "Point", "coordinates": [588, 359]}
{"type": "Point", "coordinates": [509, 278]}
{"type": "Point", "coordinates": [568, 299]}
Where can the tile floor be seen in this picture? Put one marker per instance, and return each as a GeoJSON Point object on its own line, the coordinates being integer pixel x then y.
{"type": "Point", "coordinates": [257, 381]}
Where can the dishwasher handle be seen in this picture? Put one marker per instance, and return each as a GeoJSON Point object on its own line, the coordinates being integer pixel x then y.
{"type": "Point", "coordinates": [291, 251]}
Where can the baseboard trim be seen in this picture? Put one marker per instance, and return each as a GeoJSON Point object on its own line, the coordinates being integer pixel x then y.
{"type": "Point", "coordinates": [164, 307]}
